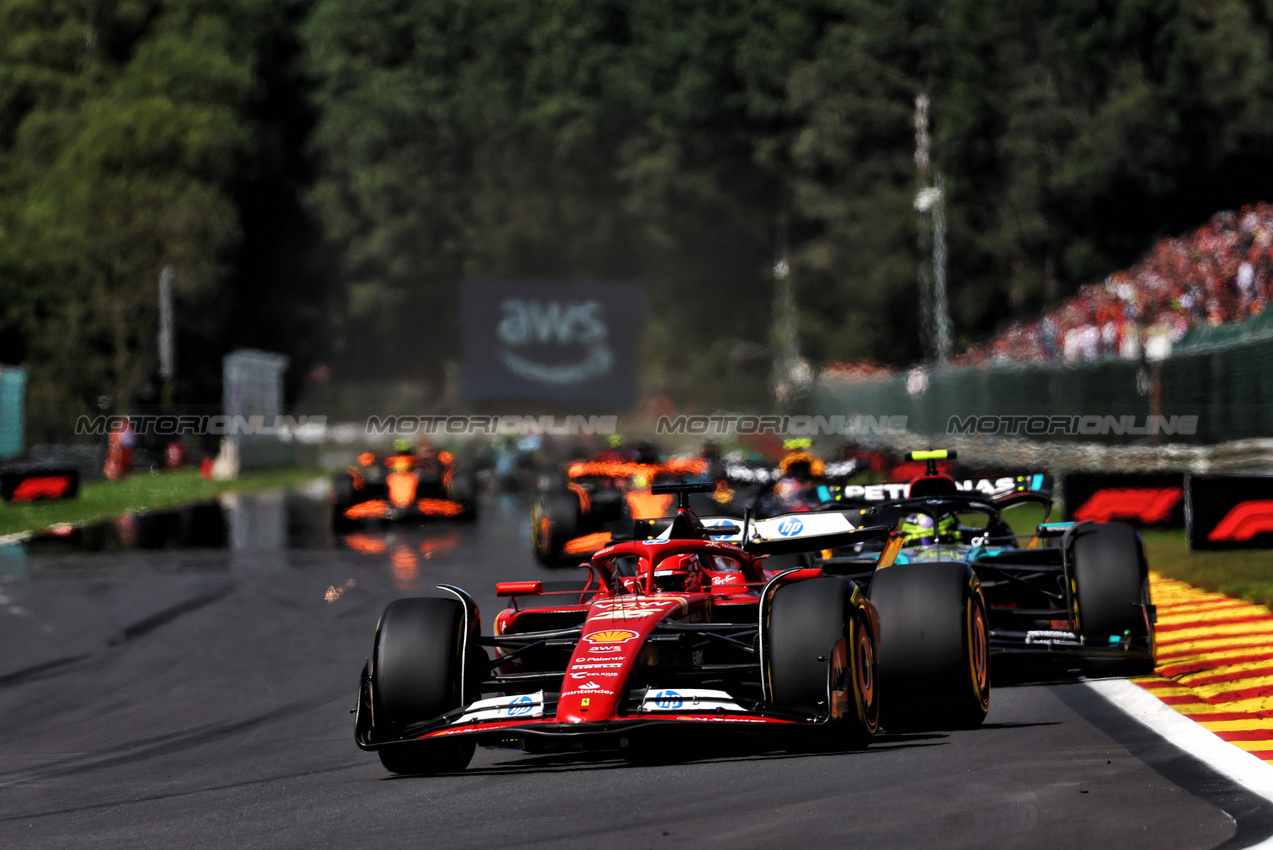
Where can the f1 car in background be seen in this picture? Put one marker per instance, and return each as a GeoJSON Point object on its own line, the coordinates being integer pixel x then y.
{"type": "Point", "coordinates": [1075, 595]}
{"type": "Point", "coordinates": [572, 517]}
{"type": "Point", "coordinates": [674, 631]}
{"type": "Point", "coordinates": [800, 481]}
{"type": "Point", "coordinates": [405, 485]}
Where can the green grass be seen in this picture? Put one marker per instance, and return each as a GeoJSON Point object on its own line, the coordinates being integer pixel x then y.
{"type": "Point", "coordinates": [1241, 574]}
{"type": "Point", "coordinates": [99, 500]}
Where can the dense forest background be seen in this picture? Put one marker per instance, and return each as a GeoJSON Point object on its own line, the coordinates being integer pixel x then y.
{"type": "Point", "coordinates": [321, 174]}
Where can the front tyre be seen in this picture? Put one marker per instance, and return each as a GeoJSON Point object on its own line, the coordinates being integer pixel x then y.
{"type": "Point", "coordinates": [463, 489]}
{"type": "Point", "coordinates": [1111, 591]}
{"type": "Point", "coordinates": [343, 496]}
{"type": "Point", "coordinates": [820, 655]}
{"type": "Point", "coordinates": [554, 521]}
{"type": "Point", "coordinates": [415, 676]}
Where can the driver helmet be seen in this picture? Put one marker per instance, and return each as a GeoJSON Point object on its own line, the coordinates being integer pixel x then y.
{"type": "Point", "coordinates": [787, 491]}
{"type": "Point", "coordinates": [801, 465]}
{"type": "Point", "coordinates": [677, 574]}
{"type": "Point", "coordinates": [948, 528]}
{"type": "Point", "coordinates": [917, 528]}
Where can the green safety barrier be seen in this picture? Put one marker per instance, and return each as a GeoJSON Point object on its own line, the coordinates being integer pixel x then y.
{"type": "Point", "coordinates": [1226, 385]}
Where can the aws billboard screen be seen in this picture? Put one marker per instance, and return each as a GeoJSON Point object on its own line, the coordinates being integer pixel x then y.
{"type": "Point", "coordinates": [551, 342]}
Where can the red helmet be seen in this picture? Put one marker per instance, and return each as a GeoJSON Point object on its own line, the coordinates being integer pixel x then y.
{"type": "Point", "coordinates": [678, 574]}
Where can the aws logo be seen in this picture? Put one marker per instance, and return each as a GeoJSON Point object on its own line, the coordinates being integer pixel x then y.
{"type": "Point", "coordinates": [1244, 521]}
{"type": "Point", "coordinates": [572, 334]}
{"type": "Point", "coordinates": [1147, 504]}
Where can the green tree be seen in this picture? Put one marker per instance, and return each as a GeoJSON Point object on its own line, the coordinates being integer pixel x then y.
{"type": "Point", "coordinates": [121, 136]}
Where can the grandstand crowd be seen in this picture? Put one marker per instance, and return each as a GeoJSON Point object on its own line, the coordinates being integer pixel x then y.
{"type": "Point", "coordinates": [1220, 273]}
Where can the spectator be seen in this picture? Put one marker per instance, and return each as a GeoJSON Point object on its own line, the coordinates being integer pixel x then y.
{"type": "Point", "coordinates": [1221, 272]}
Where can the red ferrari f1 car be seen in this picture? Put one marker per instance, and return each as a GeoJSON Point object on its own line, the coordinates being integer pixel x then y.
{"type": "Point", "coordinates": [673, 630]}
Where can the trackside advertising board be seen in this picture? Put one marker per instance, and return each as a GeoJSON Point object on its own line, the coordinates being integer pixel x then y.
{"type": "Point", "coordinates": [1143, 499]}
{"type": "Point", "coordinates": [35, 485]}
{"type": "Point", "coordinates": [1229, 511]}
{"type": "Point", "coordinates": [551, 342]}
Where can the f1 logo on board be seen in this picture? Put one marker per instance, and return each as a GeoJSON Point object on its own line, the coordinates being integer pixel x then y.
{"type": "Point", "coordinates": [51, 487]}
{"type": "Point", "coordinates": [1245, 521]}
{"type": "Point", "coordinates": [1150, 505]}
{"type": "Point", "coordinates": [790, 527]}
{"type": "Point", "coordinates": [1229, 511]}
{"type": "Point", "coordinates": [39, 484]}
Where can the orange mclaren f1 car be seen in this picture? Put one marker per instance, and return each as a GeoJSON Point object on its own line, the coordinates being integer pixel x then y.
{"type": "Point", "coordinates": [404, 485]}
{"type": "Point", "coordinates": [571, 520]}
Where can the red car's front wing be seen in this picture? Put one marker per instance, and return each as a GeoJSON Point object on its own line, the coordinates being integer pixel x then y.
{"type": "Point", "coordinates": [601, 733]}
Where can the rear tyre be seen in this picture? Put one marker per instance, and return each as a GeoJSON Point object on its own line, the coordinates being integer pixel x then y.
{"type": "Point", "coordinates": [342, 489]}
{"type": "Point", "coordinates": [554, 521]}
{"type": "Point", "coordinates": [934, 659]}
{"type": "Point", "coordinates": [820, 656]}
{"type": "Point", "coordinates": [464, 491]}
{"type": "Point", "coordinates": [1111, 591]}
{"type": "Point", "coordinates": [416, 676]}
{"type": "Point", "coordinates": [342, 498]}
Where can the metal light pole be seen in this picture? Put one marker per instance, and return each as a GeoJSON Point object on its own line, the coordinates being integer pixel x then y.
{"type": "Point", "coordinates": [940, 309]}
{"type": "Point", "coordinates": [930, 203]}
{"type": "Point", "coordinates": [923, 203]}
{"type": "Point", "coordinates": [786, 371]}
{"type": "Point", "coordinates": [166, 353]}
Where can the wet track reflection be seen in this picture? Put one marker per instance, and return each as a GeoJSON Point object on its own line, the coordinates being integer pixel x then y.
{"type": "Point", "coordinates": [185, 679]}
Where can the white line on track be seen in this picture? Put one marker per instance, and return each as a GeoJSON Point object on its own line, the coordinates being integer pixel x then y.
{"type": "Point", "coordinates": [11, 539]}
{"type": "Point", "coordinates": [1252, 773]}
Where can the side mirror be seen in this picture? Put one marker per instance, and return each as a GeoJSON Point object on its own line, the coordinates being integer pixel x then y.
{"type": "Point", "coordinates": [519, 588]}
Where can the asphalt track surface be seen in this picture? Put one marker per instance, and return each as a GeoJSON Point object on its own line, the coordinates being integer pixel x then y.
{"type": "Point", "coordinates": [200, 698]}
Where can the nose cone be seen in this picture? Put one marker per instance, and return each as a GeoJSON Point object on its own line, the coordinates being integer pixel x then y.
{"type": "Point", "coordinates": [613, 636]}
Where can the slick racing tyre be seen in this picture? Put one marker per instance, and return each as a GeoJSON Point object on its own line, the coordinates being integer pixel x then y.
{"type": "Point", "coordinates": [934, 646]}
{"type": "Point", "coordinates": [820, 655]}
{"type": "Point", "coordinates": [415, 676]}
{"type": "Point", "coordinates": [464, 491]}
{"type": "Point", "coordinates": [554, 521]}
{"type": "Point", "coordinates": [1110, 586]}
{"type": "Point", "coordinates": [343, 495]}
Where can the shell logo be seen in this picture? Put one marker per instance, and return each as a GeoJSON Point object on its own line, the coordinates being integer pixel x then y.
{"type": "Point", "coordinates": [611, 636]}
